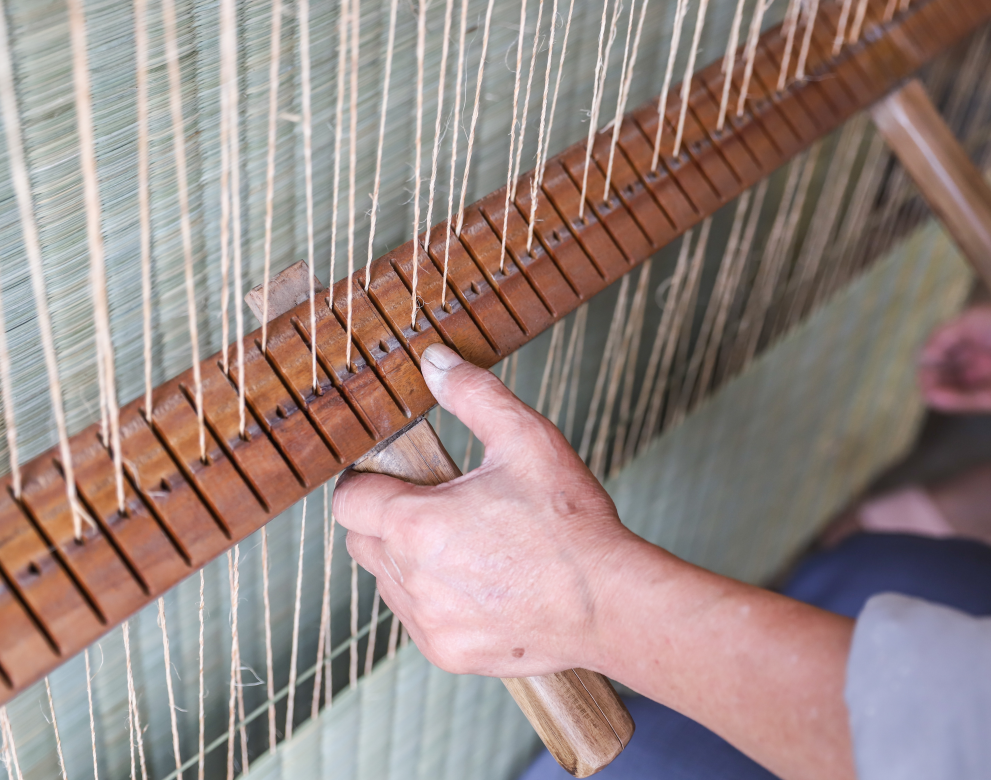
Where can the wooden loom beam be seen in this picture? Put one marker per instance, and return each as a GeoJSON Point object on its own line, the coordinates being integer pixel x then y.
{"type": "Point", "coordinates": [58, 595]}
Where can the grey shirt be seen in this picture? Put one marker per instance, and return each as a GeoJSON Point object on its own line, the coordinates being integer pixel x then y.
{"type": "Point", "coordinates": [918, 690]}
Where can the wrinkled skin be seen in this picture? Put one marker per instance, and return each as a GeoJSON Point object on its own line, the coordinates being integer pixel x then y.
{"type": "Point", "coordinates": [955, 365]}
{"type": "Point", "coordinates": [530, 526]}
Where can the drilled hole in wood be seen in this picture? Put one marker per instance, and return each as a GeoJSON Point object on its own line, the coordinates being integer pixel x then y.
{"type": "Point", "coordinates": [556, 236]}
{"type": "Point", "coordinates": [34, 568]}
{"type": "Point", "coordinates": [166, 485]}
{"type": "Point", "coordinates": [280, 410]}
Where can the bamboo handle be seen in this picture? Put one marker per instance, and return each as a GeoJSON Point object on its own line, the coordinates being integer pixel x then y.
{"type": "Point", "coordinates": [577, 714]}
{"type": "Point", "coordinates": [952, 186]}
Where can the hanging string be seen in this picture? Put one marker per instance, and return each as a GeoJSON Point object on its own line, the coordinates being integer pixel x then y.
{"type": "Point", "coordinates": [229, 51]}
{"type": "Point", "coordinates": [646, 416]}
{"type": "Point", "coordinates": [372, 631]}
{"type": "Point", "coordinates": [544, 137]}
{"type": "Point", "coordinates": [269, 665]}
{"type": "Point", "coordinates": [201, 753]}
{"type": "Point", "coordinates": [570, 364]}
{"type": "Point", "coordinates": [681, 306]}
{"type": "Point", "coordinates": [134, 719]}
{"type": "Point", "coordinates": [94, 239]}
{"type": "Point", "coordinates": [556, 332]}
{"type": "Point", "coordinates": [615, 327]}
{"type": "Point", "coordinates": [515, 178]}
{"type": "Point", "coordinates": [303, 15]}
{"type": "Point", "coordinates": [275, 56]}
{"type": "Point", "coordinates": [707, 328]}
{"type": "Point", "coordinates": [729, 62]}
{"type": "Point", "coordinates": [7, 400]}
{"type": "Point", "coordinates": [9, 749]}
{"type": "Point", "coordinates": [737, 360]}
{"type": "Point", "coordinates": [291, 698]}
{"type": "Point", "coordinates": [236, 695]}
{"type": "Point", "coordinates": [686, 84]}
{"type": "Point", "coordinates": [598, 85]}
{"type": "Point", "coordinates": [130, 709]}
{"type": "Point", "coordinates": [58, 739]}
{"type": "Point", "coordinates": [342, 50]}
{"type": "Point", "coordinates": [803, 55]}
{"type": "Point", "coordinates": [456, 124]}
{"type": "Point", "coordinates": [858, 212]}
{"type": "Point", "coordinates": [635, 326]}
{"type": "Point", "coordinates": [225, 190]}
{"type": "Point", "coordinates": [858, 21]}
{"type": "Point", "coordinates": [144, 201]}
{"type": "Point", "coordinates": [841, 24]}
{"type": "Point", "coordinates": [438, 121]}
{"type": "Point", "coordinates": [355, 16]}
{"type": "Point", "coordinates": [474, 115]}
{"type": "Point", "coordinates": [619, 358]}
{"type": "Point", "coordinates": [716, 341]}
{"type": "Point", "coordinates": [682, 332]}
{"type": "Point", "coordinates": [324, 633]}
{"type": "Point", "coordinates": [680, 11]}
{"type": "Point", "coordinates": [32, 248]}
{"type": "Point", "coordinates": [790, 28]}
{"type": "Point", "coordinates": [393, 637]}
{"type": "Point", "coordinates": [626, 80]}
{"type": "Point", "coordinates": [466, 459]}
{"type": "Point", "coordinates": [421, 36]}
{"type": "Point", "coordinates": [541, 152]}
{"type": "Point", "coordinates": [820, 233]}
{"type": "Point", "coordinates": [753, 38]}
{"type": "Point", "coordinates": [182, 185]}
{"type": "Point", "coordinates": [778, 248]}
{"type": "Point", "coordinates": [389, 48]}
{"type": "Point", "coordinates": [512, 127]}
{"type": "Point", "coordinates": [618, 118]}
{"type": "Point", "coordinates": [353, 649]}
{"type": "Point", "coordinates": [92, 719]}
{"type": "Point", "coordinates": [168, 685]}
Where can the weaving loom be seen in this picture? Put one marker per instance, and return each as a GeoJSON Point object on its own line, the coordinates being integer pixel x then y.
{"type": "Point", "coordinates": [716, 296]}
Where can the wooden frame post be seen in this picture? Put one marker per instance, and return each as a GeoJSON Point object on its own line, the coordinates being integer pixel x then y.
{"type": "Point", "coordinates": [949, 181]}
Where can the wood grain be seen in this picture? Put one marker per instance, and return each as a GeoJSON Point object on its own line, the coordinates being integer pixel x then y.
{"type": "Point", "coordinates": [577, 714]}
{"type": "Point", "coordinates": [947, 178]}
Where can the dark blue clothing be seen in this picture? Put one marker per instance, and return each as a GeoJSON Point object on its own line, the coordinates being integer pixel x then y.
{"type": "Point", "coordinates": [952, 572]}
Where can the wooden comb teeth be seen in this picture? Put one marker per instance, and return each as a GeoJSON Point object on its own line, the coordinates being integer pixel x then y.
{"type": "Point", "coordinates": [57, 595]}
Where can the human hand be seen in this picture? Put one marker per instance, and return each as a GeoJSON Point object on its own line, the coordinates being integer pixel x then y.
{"type": "Point", "coordinates": [501, 571]}
{"type": "Point", "coordinates": [955, 366]}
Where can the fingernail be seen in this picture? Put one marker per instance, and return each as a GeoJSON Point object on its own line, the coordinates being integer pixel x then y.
{"type": "Point", "coordinates": [441, 357]}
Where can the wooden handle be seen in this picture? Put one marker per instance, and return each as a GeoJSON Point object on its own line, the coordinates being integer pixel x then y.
{"type": "Point", "coordinates": [953, 187]}
{"type": "Point", "coordinates": [577, 714]}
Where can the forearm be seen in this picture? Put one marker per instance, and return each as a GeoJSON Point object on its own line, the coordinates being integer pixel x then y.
{"type": "Point", "coordinates": [763, 671]}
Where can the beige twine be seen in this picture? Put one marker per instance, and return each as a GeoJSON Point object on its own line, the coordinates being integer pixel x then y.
{"type": "Point", "coordinates": [291, 699]}
{"type": "Point", "coordinates": [376, 188]}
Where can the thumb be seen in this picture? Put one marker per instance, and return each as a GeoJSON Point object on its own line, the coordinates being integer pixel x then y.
{"type": "Point", "coordinates": [475, 396]}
